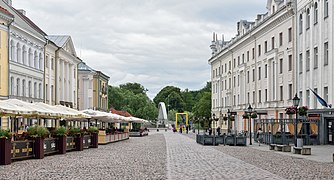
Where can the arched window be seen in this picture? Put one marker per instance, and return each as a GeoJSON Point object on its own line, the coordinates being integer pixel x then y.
{"type": "Point", "coordinates": [18, 87]}
{"type": "Point", "coordinates": [29, 88]}
{"type": "Point", "coordinates": [18, 53]}
{"type": "Point", "coordinates": [23, 88]}
{"type": "Point", "coordinates": [315, 13]}
{"type": "Point", "coordinates": [30, 58]}
{"type": "Point", "coordinates": [12, 50]}
{"type": "Point", "coordinates": [35, 60]}
{"type": "Point", "coordinates": [308, 18]}
{"type": "Point", "coordinates": [41, 67]}
{"type": "Point", "coordinates": [300, 23]}
{"type": "Point", "coordinates": [24, 54]}
{"type": "Point", "coordinates": [35, 89]}
{"type": "Point", "coordinates": [40, 91]}
{"type": "Point", "coordinates": [12, 85]}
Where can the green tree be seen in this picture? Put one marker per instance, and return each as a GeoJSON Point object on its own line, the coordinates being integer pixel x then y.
{"type": "Point", "coordinates": [203, 107]}
{"type": "Point", "coordinates": [136, 88]}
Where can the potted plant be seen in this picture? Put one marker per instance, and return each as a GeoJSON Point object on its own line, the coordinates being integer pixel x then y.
{"type": "Point", "coordinates": [254, 115]}
{"type": "Point", "coordinates": [78, 138]}
{"type": "Point", "coordinates": [5, 147]}
{"type": "Point", "coordinates": [94, 131]}
{"type": "Point", "coordinates": [38, 133]}
{"type": "Point", "coordinates": [302, 111]}
{"type": "Point", "coordinates": [290, 110]}
{"type": "Point", "coordinates": [245, 116]}
{"type": "Point", "coordinates": [61, 133]}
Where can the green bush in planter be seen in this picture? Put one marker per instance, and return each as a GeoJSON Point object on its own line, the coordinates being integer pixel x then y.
{"type": "Point", "coordinates": [61, 131]}
{"type": "Point", "coordinates": [93, 129]}
{"type": "Point", "coordinates": [38, 131]}
{"type": "Point", "coordinates": [5, 134]}
{"type": "Point", "coordinates": [74, 132]}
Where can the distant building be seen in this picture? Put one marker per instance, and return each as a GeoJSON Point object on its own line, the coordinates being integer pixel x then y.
{"type": "Point", "coordinates": [100, 91]}
{"type": "Point", "coordinates": [85, 88]}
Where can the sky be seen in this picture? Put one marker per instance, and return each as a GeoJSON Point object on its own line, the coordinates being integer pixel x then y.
{"type": "Point", "coordinates": [156, 43]}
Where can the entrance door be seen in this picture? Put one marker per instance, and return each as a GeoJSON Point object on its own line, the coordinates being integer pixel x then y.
{"type": "Point", "coordinates": [330, 131]}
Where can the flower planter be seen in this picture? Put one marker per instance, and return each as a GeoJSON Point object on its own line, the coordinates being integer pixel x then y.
{"type": "Point", "coordinates": [95, 140]}
{"type": "Point", "coordinates": [39, 148]}
{"type": "Point", "coordinates": [5, 151]}
{"type": "Point", "coordinates": [62, 144]}
{"type": "Point", "coordinates": [78, 143]}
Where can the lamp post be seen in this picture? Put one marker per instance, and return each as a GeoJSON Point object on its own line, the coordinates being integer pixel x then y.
{"type": "Point", "coordinates": [296, 101]}
{"type": "Point", "coordinates": [249, 112]}
{"type": "Point", "coordinates": [198, 125]}
{"type": "Point", "coordinates": [229, 115]}
{"type": "Point", "coordinates": [215, 119]}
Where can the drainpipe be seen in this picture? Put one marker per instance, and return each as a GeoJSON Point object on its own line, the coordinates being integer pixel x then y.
{"type": "Point", "coordinates": [8, 34]}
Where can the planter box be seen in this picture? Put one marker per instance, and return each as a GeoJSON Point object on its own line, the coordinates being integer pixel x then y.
{"type": "Point", "coordinates": [39, 148]}
{"type": "Point", "coordinates": [95, 140]}
{"type": "Point", "coordinates": [5, 151]}
{"type": "Point", "coordinates": [50, 146]}
{"type": "Point", "coordinates": [62, 144]}
{"type": "Point", "coordinates": [206, 140]}
{"type": "Point", "coordinates": [87, 141]}
{"type": "Point", "coordinates": [78, 143]}
{"type": "Point", "coordinates": [240, 140]}
{"type": "Point", "coordinates": [70, 143]}
{"type": "Point", "coordinates": [229, 140]}
{"type": "Point", "coordinates": [219, 140]}
{"type": "Point", "coordinates": [22, 149]}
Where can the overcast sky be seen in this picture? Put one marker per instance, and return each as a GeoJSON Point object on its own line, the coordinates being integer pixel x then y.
{"type": "Point", "coordinates": [153, 42]}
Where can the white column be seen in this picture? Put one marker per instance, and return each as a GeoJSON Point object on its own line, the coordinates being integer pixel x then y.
{"type": "Point", "coordinates": [67, 82]}
{"type": "Point", "coordinates": [50, 83]}
{"type": "Point", "coordinates": [63, 81]}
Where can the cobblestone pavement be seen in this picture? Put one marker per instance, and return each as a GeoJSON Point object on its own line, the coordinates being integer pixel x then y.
{"type": "Point", "coordinates": [189, 160]}
{"type": "Point", "coordinates": [285, 166]}
{"type": "Point", "coordinates": [136, 158]}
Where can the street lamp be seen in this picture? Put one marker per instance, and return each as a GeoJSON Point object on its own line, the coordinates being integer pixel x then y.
{"type": "Point", "coordinates": [249, 112]}
{"type": "Point", "coordinates": [215, 119]}
{"type": "Point", "coordinates": [296, 101]}
{"type": "Point", "coordinates": [229, 115]}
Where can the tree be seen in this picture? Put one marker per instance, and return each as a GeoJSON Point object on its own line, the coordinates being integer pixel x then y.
{"type": "Point", "coordinates": [203, 107]}
{"type": "Point", "coordinates": [136, 88]}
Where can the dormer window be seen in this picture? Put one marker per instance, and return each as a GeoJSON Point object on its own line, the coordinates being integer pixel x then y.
{"type": "Point", "coordinates": [273, 10]}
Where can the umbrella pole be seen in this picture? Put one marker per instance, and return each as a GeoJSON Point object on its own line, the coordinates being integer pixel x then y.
{"type": "Point", "coordinates": [88, 122]}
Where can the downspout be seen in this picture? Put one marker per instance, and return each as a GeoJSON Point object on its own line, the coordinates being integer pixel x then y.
{"type": "Point", "coordinates": [8, 34]}
{"type": "Point", "coordinates": [46, 43]}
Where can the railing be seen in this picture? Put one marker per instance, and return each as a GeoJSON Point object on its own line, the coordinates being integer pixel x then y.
{"type": "Point", "coordinates": [50, 146]}
{"type": "Point", "coordinates": [22, 149]}
{"type": "Point", "coordinates": [70, 143]}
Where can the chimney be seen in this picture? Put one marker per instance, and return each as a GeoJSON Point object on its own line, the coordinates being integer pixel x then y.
{"type": "Point", "coordinates": [22, 11]}
{"type": "Point", "coordinates": [9, 2]}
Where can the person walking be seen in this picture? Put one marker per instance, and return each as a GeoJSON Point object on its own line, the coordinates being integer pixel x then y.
{"type": "Point", "coordinates": [259, 136]}
{"type": "Point", "coordinates": [218, 131]}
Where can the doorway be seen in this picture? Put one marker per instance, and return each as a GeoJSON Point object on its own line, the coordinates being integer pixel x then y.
{"type": "Point", "coordinates": [330, 131]}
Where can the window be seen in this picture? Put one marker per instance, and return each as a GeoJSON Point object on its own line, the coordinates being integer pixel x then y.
{"type": "Point", "coordinates": [40, 90]}
{"type": "Point", "coordinates": [290, 63]}
{"type": "Point", "coordinates": [315, 100]}
{"type": "Point", "coordinates": [326, 94]}
{"type": "Point", "coordinates": [233, 63]}
{"type": "Point", "coordinates": [308, 60]}
{"type": "Point", "coordinates": [46, 92]}
{"type": "Point", "coordinates": [281, 93]}
{"type": "Point", "coordinates": [12, 85]}
{"type": "Point", "coordinates": [290, 91]}
{"type": "Point", "coordinates": [315, 13]}
{"type": "Point", "coordinates": [226, 67]}
{"type": "Point", "coordinates": [266, 95]}
{"type": "Point", "coordinates": [273, 43]}
{"type": "Point", "coordinates": [281, 66]}
{"type": "Point", "coordinates": [301, 97]}
{"type": "Point", "coordinates": [260, 96]}
{"type": "Point", "coordinates": [315, 57]}
{"type": "Point", "coordinates": [23, 88]}
{"type": "Point", "coordinates": [290, 34]}
{"type": "Point", "coordinates": [52, 61]}
{"type": "Point", "coordinates": [326, 9]}
{"type": "Point", "coordinates": [265, 71]}
{"type": "Point", "coordinates": [259, 73]}
{"type": "Point", "coordinates": [326, 53]}
{"type": "Point", "coordinates": [254, 100]}
{"type": "Point", "coordinates": [234, 81]}
{"type": "Point", "coordinates": [238, 60]}
{"type": "Point", "coordinates": [308, 19]}
{"type": "Point", "coordinates": [307, 97]}
{"type": "Point", "coordinates": [238, 80]}
{"type": "Point", "coordinates": [265, 46]}
{"type": "Point", "coordinates": [18, 87]}
{"type": "Point", "coordinates": [281, 39]}
{"type": "Point", "coordinates": [253, 53]}
{"type": "Point", "coordinates": [229, 83]}
{"type": "Point", "coordinates": [29, 89]}
{"type": "Point", "coordinates": [52, 93]}
{"type": "Point", "coordinates": [300, 63]}
{"type": "Point", "coordinates": [225, 84]}
{"type": "Point", "coordinates": [247, 56]}
{"type": "Point", "coordinates": [247, 76]}
{"type": "Point", "coordinates": [259, 50]}
{"type": "Point", "coordinates": [253, 75]}
{"type": "Point", "coordinates": [300, 23]}
{"type": "Point", "coordinates": [229, 65]}
{"type": "Point", "coordinates": [243, 58]}
{"type": "Point", "coordinates": [47, 61]}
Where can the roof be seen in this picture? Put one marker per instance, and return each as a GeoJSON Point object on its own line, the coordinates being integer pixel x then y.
{"type": "Point", "coordinates": [3, 10]}
{"type": "Point", "coordinates": [59, 40]}
{"type": "Point", "coordinates": [32, 24]}
{"type": "Point", "coordinates": [122, 113]}
{"type": "Point", "coordinates": [84, 67]}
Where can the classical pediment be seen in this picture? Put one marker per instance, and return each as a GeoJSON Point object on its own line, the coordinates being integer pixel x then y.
{"type": "Point", "coordinates": [65, 42]}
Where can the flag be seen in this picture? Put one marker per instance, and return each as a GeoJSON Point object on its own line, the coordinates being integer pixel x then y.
{"type": "Point", "coordinates": [320, 100]}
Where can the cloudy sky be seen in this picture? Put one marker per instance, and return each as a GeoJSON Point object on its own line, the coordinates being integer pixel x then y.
{"type": "Point", "coordinates": [153, 42]}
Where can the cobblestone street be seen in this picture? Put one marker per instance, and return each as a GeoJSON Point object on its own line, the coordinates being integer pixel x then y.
{"type": "Point", "coordinates": [167, 155]}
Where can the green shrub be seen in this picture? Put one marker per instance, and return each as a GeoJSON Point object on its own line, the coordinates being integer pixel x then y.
{"type": "Point", "coordinates": [74, 132]}
{"type": "Point", "coordinates": [5, 134]}
{"type": "Point", "coordinates": [61, 131]}
{"type": "Point", "coordinates": [38, 131]}
{"type": "Point", "coordinates": [93, 129]}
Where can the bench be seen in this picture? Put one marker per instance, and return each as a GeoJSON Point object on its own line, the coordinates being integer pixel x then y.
{"type": "Point", "coordinates": [283, 148]}
{"type": "Point", "coordinates": [272, 146]}
{"type": "Point", "coordinates": [302, 150]}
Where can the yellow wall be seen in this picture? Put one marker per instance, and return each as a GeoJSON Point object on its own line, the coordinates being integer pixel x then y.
{"type": "Point", "coordinates": [3, 63]}
{"type": "Point", "coordinates": [95, 92]}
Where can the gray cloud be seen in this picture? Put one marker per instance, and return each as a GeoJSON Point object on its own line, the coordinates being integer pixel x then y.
{"type": "Point", "coordinates": [153, 42]}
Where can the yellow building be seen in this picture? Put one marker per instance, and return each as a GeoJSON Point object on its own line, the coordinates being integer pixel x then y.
{"type": "Point", "coordinates": [6, 18]}
{"type": "Point", "coordinates": [100, 91]}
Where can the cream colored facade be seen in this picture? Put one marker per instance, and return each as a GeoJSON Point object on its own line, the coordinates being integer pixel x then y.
{"type": "Point", "coordinates": [85, 90]}
{"type": "Point", "coordinates": [100, 91]}
{"type": "Point", "coordinates": [255, 68]}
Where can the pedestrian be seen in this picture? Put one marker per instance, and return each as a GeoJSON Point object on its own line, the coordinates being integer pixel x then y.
{"type": "Point", "coordinates": [181, 129]}
{"type": "Point", "coordinates": [259, 136]}
{"type": "Point", "coordinates": [210, 131]}
{"type": "Point", "coordinates": [187, 129]}
{"type": "Point", "coordinates": [218, 131]}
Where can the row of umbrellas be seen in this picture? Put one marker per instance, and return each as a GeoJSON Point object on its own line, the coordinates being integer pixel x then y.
{"type": "Point", "coordinates": [15, 107]}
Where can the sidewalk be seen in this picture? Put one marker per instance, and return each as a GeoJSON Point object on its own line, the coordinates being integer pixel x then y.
{"type": "Point", "coordinates": [319, 153]}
